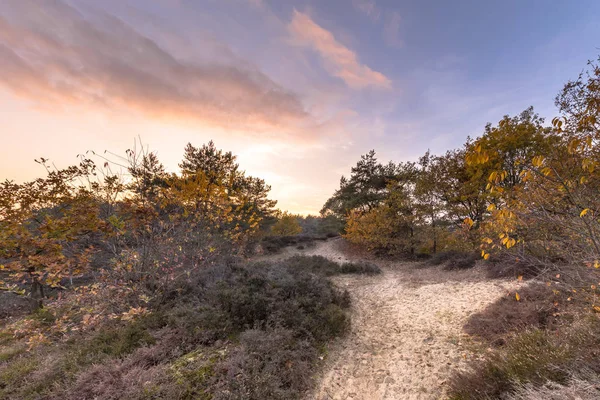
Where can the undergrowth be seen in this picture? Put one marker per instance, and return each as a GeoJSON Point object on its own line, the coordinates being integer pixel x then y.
{"type": "Point", "coordinates": [544, 343]}
{"type": "Point", "coordinates": [233, 330]}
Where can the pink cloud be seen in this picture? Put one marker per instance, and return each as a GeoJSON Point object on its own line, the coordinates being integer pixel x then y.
{"type": "Point", "coordinates": [56, 55]}
{"type": "Point", "coordinates": [339, 60]}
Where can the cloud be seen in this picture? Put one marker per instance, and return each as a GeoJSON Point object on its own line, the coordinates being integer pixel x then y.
{"type": "Point", "coordinates": [53, 53]}
{"type": "Point", "coordinates": [339, 60]}
{"type": "Point", "coordinates": [368, 7]}
{"type": "Point", "coordinates": [391, 30]}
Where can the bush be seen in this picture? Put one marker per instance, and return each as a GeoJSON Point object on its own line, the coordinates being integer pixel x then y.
{"type": "Point", "coordinates": [462, 263]}
{"type": "Point", "coordinates": [361, 267]}
{"type": "Point", "coordinates": [534, 357]}
{"type": "Point", "coordinates": [274, 244]}
{"type": "Point", "coordinates": [453, 260]}
{"type": "Point", "coordinates": [281, 313]}
{"type": "Point", "coordinates": [323, 266]}
{"type": "Point", "coordinates": [119, 340]}
{"type": "Point", "coordinates": [583, 385]}
{"type": "Point", "coordinates": [540, 306]}
{"type": "Point", "coordinates": [505, 265]}
{"type": "Point", "coordinates": [271, 364]}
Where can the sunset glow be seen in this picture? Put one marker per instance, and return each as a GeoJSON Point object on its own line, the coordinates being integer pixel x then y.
{"type": "Point", "coordinates": [296, 89]}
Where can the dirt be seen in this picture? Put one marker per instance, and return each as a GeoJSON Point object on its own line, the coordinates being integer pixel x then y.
{"type": "Point", "coordinates": [406, 337]}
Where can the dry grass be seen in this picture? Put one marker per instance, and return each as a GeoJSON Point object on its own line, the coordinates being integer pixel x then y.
{"type": "Point", "coordinates": [543, 342]}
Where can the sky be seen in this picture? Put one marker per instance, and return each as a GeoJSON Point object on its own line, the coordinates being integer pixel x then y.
{"type": "Point", "coordinates": [298, 90]}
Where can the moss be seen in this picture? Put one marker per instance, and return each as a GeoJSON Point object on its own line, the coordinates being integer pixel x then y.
{"type": "Point", "coordinates": [43, 316]}
{"type": "Point", "coordinates": [14, 373]}
{"type": "Point", "coordinates": [8, 353]}
{"type": "Point", "coordinates": [117, 341]}
{"type": "Point", "coordinates": [195, 370]}
{"type": "Point", "coordinates": [6, 338]}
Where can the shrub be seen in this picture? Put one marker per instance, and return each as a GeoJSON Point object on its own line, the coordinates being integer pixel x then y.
{"type": "Point", "coordinates": [187, 347]}
{"type": "Point", "coordinates": [540, 306]}
{"type": "Point", "coordinates": [583, 385]}
{"type": "Point", "coordinates": [15, 374]}
{"type": "Point", "coordinates": [361, 267]}
{"type": "Point", "coordinates": [533, 357]}
{"type": "Point", "coordinates": [287, 224]}
{"type": "Point", "coordinates": [505, 265]}
{"type": "Point", "coordinates": [274, 244]}
{"type": "Point", "coordinates": [453, 259]}
{"type": "Point", "coordinates": [462, 263]}
{"type": "Point", "coordinates": [323, 266]}
{"type": "Point", "coordinates": [117, 341]}
{"type": "Point", "coordinates": [271, 364]}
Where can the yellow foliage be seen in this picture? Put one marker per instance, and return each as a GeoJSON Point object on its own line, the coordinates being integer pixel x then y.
{"type": "Point", "coordinates": [286, 225]}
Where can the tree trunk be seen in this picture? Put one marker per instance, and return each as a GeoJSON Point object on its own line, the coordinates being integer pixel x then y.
{"type": "Point", "coordinates": [37, 294]}
{"type": "Point", "coordinates": [434, 235]}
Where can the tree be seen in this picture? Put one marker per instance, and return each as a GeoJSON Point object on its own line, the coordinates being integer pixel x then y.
{"type": "Point", "coordinates": [460, 187]}
{"type": "Point", "coordinates": [286, 225]}
{"type": "Point", "coordinates": [365, 190]}
{"type": "Point", "coordinates": [148, 176]}
{"type": "Point", "coordinates": [391, 227]}
{"type": "Point", "coordinates": [248, 195]}
{"type": "Point", "coordinates": [45, 227]}
{"type": "Point", "coordinates": [508, 148]}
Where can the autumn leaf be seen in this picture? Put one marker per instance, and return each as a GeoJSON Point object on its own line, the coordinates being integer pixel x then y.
{"type": "Point", "coordinates": [517, 296]}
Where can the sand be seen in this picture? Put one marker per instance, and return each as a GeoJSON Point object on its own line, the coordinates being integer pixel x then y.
{"type": "Point", "coordinates": [406, 337]}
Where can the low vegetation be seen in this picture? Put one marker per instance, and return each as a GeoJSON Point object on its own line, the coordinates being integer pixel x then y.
{"type": "Point", "coordinates": [233, 330]}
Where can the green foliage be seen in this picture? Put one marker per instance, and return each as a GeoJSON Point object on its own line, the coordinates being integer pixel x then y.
{"type": "Point", "coordinates": [16, 372]}
{"type": "Point", "coordinates": [365, 189]}
{"type": "Point", "coordinates": [195, 372]}
{"type": "Point", "coordinates": [11, 352]}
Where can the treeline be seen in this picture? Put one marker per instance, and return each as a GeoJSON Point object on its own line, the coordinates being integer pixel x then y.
{"type": "Point", "coordinates": [523, 187]}
{"type": "Point", "coordinates": [128, 218]}
{"type": "Point", "coordinates": [288, 224]}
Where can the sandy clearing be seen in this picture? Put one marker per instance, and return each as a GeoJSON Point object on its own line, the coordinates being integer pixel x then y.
{"type": "Point", "coordinates": [406, 336]}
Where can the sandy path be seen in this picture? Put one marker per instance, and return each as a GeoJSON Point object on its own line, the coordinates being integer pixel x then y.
{"type": "Point", "coordinates": [406, 336]}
